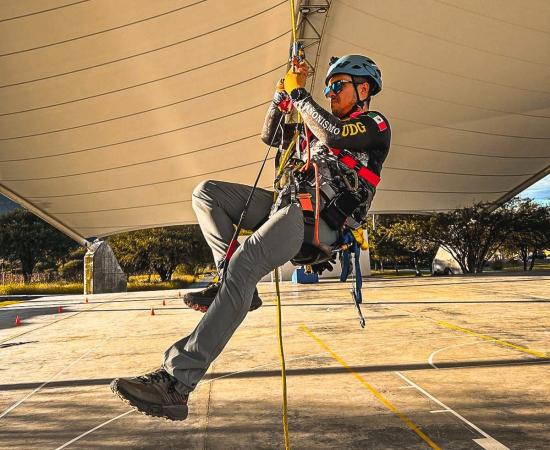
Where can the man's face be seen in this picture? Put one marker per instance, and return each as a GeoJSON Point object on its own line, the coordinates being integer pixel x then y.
{"type": "Point", "coordinates": [342, 102]}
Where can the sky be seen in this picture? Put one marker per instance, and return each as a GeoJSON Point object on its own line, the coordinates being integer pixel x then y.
{"type": "Point", "coordinates": [540, 191]}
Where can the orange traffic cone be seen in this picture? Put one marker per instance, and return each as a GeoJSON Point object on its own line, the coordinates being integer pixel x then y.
{"type": "Point", "coordinates": [152, 311]}
{"type": "Point", "coordinates": [17, 321]}
{"type": "Point", "coordinates": [163, 302]}
{"type": "Point", "coordinates": [60, 309]}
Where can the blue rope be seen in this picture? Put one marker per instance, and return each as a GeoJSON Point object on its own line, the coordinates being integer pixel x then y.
{"type": "Point", "coordinates": [354, 248]}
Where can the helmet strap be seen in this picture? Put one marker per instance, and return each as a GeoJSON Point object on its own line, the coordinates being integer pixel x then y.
{"type": "Point", "coordinates": [359, 103]}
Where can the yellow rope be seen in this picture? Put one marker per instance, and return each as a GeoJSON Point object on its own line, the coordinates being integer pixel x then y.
{"type": "Point", "coordinates": [293, 19]}
{"type": "Point", "coordinates": [282, 357]}
{"type": "Point", "coordinates": [277, 287]}
{"type": "Point", "coordinates": [286, 154]}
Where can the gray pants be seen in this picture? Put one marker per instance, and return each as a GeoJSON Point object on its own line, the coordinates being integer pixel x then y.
{"type": "Point", "coordinates": [218, 206]}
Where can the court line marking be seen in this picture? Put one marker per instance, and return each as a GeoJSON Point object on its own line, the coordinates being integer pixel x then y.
{"type": "Point", "coordinates": [45, 383]}
{"type": "Point", "coordinates": [17, 403]}
{"type": "Point", "coordinates": [101, 425]}
{"type": "Point", "coordinates": [492, 339]}
{"type": "Point", "coordinates": [431, 357]}
{"type": "Point", "coordinates": [474, 333]}
{"type": "Point", "coordinates": [107, 422]}
{"type": "Point", "coordinates": [489, 443]}
{"type": "Point", "coordinates": [39, 327]}
{"type": "Point", "coordinates": [373, 390]}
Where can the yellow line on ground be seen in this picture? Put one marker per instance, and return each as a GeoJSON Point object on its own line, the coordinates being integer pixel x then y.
{"type": "Point", "coordinates": [9, 302]}
{"type": "Point", "coordinates": [492, 339]}
{"type": "Point", "coordinates": [369, 387]}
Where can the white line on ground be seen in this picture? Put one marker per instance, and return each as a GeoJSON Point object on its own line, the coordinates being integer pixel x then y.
{"type": "Point", "coordinates": [430, 359]}
{"type": "Point", "coordinates": [30, 394]}
{"type": "Point", "coordinates": [258, 367]}
{"type": "Point", "coordinates": [489, 443]}
{"type": "Point", "coordinates": [101, 425]}
{"type": "Point", "coordinates": [52, 322]}
{"type": "Point", "coordinates": [66, 444]}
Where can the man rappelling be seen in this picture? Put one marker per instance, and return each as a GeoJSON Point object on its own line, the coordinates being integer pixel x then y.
{"type": "Point", "coordinates": [327, 169]}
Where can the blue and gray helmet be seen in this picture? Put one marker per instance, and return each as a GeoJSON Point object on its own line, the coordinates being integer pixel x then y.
{"type": "Point", "coordinates": [357, 66]}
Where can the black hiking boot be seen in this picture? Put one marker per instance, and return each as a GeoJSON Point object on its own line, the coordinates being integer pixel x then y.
{"type": "Point", "coordinates": [201, 300]}
{"type": "Point", "coordinates": [153, 394]}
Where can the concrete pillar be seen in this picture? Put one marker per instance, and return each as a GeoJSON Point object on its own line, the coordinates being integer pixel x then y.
{"type": "Point", "coordinates": [102, 272]}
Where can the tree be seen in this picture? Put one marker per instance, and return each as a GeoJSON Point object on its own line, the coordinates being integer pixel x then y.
{"type": "Point", "coordinates": [405, 231]}
{"type": "Point", "coordinates": [73, 268]}
{"type": "Point", "coordinates": [130, 249]}
{"type": "Point", "coordinates": [471, 235]}
{"type": "Point", "coordinates": [383, 247]}
{"type": "Point", "coordinates": [29, 240]}
{"type": "Point", "coordinates": [531, 232]}
{"type": "Point", "coordinates": [160, 249]}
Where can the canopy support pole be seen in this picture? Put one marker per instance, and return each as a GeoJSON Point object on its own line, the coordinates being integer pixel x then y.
{"type": "Point", "coordinates": [45, 216]}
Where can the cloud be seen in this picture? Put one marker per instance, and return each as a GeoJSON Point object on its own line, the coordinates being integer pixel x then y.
{"type": "Point", "coordinates": [540, 191]}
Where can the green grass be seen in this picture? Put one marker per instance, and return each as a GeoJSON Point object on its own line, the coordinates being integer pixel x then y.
{"type": "Point", "coordinates": [135, 283]}
{"type": "Point", "coordinates": [41, 288]}
{"type": "Point", "coordinates": [519, 267]}
{"type": "Point", "coordinates": [141, 283]}
{"type": "Point", "coordinates": [403, 273]}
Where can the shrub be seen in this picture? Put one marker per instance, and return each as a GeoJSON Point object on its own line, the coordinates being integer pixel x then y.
{"type": "Point", "coordinates": [72, 270]}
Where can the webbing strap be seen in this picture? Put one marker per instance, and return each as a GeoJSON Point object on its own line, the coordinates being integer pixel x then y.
{"type": "Point", "coordinates": [305, 201]}
{"type": "Point", "coordinates": [354, 164]}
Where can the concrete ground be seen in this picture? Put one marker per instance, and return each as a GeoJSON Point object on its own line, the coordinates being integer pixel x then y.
{"type": "Point", "coordinates": [454, 363]}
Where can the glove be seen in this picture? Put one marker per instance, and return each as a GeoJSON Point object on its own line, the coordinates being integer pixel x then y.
{"type": "Point", "coordinates": [360, 238]}
{"type": "Point", "coordinates": [296, 77]}
{"type": "Point", "coordinates": [327, 265]}
{"type": "Point", "coordinates": [281, 98]}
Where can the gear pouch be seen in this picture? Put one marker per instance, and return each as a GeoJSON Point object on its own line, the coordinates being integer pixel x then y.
{"type": "Point", "coordinates": [339, 209]}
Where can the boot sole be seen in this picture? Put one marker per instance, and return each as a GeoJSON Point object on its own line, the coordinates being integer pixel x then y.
{"type": "Point", "coordinates": [175, 412]}
{"type": "Point", "coordinates": [204, 308]}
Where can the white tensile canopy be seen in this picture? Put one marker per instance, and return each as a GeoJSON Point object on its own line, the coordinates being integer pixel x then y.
{"type": "Point", "coordinates": [111, 112]}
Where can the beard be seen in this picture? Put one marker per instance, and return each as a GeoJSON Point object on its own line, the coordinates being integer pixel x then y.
{"type": "Point", "coordinates": [336, 109]}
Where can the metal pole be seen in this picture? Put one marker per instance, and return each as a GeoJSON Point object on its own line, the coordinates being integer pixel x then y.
{"type": "Point", "coordinates": [45, 216]}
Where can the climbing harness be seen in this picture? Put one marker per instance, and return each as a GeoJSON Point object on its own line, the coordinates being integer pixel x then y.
{"type": "Point", "coordinates": [340, 183]}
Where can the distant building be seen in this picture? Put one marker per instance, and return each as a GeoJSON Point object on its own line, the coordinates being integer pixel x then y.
{"type": "Point", "coordinates": [444, 263]}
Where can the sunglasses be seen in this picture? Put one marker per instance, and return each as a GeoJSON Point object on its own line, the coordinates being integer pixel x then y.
{"type": "Point", "coordinates": [336, 87]}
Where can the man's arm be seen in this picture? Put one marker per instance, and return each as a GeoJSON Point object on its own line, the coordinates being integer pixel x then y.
{"type": "Point", "coordinates": [354, 134]}
{"type": "Point", "coordinates": [275, 131]}
{"type": "Point", "coordinates": [271, 132]}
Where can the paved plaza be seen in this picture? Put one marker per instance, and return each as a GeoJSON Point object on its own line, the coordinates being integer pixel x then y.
{"type": "Point", "coordinates": [453, 363]}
